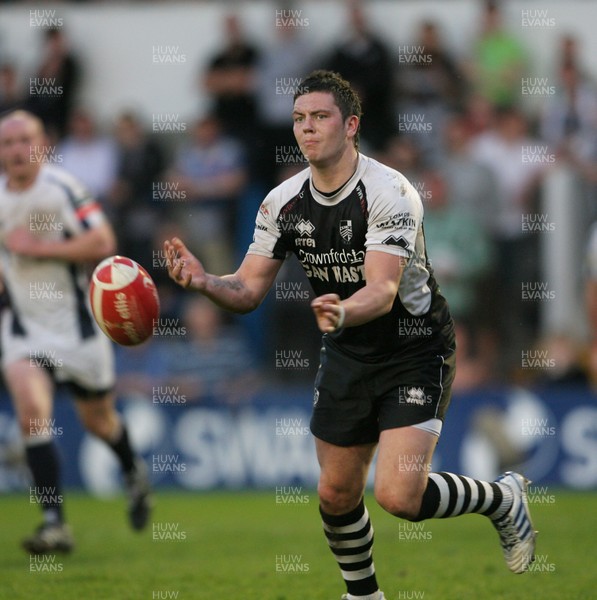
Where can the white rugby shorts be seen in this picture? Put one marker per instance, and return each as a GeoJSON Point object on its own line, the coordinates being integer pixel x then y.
{"type": "Point", "coordinates": [86, 363]}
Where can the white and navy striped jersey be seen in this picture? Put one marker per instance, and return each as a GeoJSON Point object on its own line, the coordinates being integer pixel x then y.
{"type": "Point", "coordinates": [47, 297]}
{"type": "Point", "coordinates": [377, 209]}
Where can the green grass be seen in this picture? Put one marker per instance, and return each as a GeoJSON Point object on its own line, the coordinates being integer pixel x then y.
{"type": "Point", "coordinates": [232, 541]}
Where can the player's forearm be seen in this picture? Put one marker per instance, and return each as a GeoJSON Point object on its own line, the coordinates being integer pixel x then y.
{"type": "Point", "coordinates": [230, 293]}
{"type": "Point", "coordinates": [369, 303]}
{"type": "Point", "coordinates": [90, 246]}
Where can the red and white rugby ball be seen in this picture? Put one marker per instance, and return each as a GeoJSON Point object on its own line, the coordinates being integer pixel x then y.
{"type": "Point", "coordinates": [124, 300]}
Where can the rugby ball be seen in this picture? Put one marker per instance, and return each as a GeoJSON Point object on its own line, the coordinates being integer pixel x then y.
{"type": "Point", "coordinates": [124, 300]}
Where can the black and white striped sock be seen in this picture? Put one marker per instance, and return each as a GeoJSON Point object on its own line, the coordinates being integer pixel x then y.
{"type": "Point", "coordinates": [350, 538]}
{"type": "Point", "coordinates": [449, 495]}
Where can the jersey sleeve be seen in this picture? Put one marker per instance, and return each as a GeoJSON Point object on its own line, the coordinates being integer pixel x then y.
{"type": "Point", "coordinates": [80, 210]}
{"type": "Point", "coordinates": [395, 217]}
{"type": "Point", "coordinates": [87, 210]}
{"type": "Point", "coordinates": [267, 235]}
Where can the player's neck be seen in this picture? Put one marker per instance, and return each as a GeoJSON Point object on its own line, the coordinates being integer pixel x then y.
{"type": "Point", "coordinates": [327, 178]}
{"type": "Point", "coordinates": [20, 184]}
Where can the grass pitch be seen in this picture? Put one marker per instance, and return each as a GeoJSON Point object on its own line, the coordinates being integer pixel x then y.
{"type": "Point", "coordinates": [249, 546]}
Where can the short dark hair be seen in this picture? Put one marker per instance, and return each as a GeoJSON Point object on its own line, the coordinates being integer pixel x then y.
{"type": "Point", "coordinates": [346, 99]}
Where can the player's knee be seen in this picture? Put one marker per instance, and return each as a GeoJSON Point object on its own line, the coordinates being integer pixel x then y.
{"type": "Point", "coordinates": [99, 419]}
{"type": "Point", "coordinates": [27, 425]}
{"type": "Point", "coordinates": [399, 504]}
{"type": "Point", "coordinates": [337, 500]}
{"type": "Point", "coordinates": [98, 426]}
{"type": "Point", "coordinates": [32, 424]}
{"type": "Point", "coordinates": [100, 430]}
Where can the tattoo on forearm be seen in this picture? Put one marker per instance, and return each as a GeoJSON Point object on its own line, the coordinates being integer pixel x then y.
{"type": "Point", "coordinates": [231, 284]}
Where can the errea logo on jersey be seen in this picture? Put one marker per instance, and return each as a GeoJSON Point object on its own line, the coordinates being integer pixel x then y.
{"type": "Point", "coordinates": [305, 227]}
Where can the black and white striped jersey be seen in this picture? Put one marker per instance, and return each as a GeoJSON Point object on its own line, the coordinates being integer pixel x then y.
{"type": "Point", "coordinates": [376, 210]}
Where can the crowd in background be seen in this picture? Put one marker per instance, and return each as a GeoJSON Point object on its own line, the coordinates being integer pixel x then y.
{"type": "Point", "coordinates": [456, 128]}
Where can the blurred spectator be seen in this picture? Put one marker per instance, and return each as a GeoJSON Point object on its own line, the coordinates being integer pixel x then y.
{"type": "Point", "coordinates": [431, 76]}
{"type": "Point", "coordinates": [460, 248]}
{"type": "Point", "coordinates": [492, 423]}
{"type": "Point", "coordinates": [58, 76]}
{"type": "Point", "coordinates": [230, 80]}
{"type": "Point", "coordinates": [560, 362]}
{"type": "Point", "coordinates": [480, 114]}
{"type": "Point", "coordinates": [569, 118]}
{"type": "Point", "coordinates": [11, 96]}
{"type": "Point", "coordinates": [89, 155]}
{"type": "Point", "coordinates": [503, 150]}
{"type": "Point", "coordinates": [364, 60]}
{"type": "Point", "coordinates": [569, 53]}
{"type": "Point", "coordinates": [403, 154]}
{"type": "Point", "coordinates": [471, 185]}
{"type": "Point", "coordinates": [429, 85]}
{"type": "Point", "coordinates": [475, 357]}
{"type": "Point", "coordinates": [280, 71]}
{"type": "Point", "coordinates": [498, 60]}
{"type": "Point", "coordinates": [569, 122]}
{"type": "Point", "coordinates": [213, 363]}
{"type": "Point", "coordinates": [135, 213]}
{"type": "Point", "coordinates": [140, 369]}
{"type": "Point", "coordinates": [512, 155]}
{"type": "Point", "coordinates": [211, 171]}
{"type": "Point", "coordinates": [591, 301]}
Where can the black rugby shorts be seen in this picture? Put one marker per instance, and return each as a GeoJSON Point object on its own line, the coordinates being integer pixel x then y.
{"type": "Point", "coordinates": [355, 400]}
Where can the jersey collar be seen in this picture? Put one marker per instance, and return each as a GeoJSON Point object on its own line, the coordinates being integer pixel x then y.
{"type": "Point", "coordinates": [345, 190]}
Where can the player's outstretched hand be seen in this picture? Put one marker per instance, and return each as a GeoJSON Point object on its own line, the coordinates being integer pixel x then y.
{"type": "Point", "coordinates": [21, 241]}
{"type": "Point", "coordinates": [183, 267]}
{"type": "Point", "coordinates": [329, 312]}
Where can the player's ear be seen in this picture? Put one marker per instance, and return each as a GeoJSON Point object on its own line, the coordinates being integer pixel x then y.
{"type": "Point", "coordinates": [352, 126]}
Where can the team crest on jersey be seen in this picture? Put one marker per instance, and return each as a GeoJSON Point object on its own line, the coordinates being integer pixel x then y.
{"type": "Point", "coordinates": [305, 227]}
{"type": "Point", "coordinates": [346, 230]}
